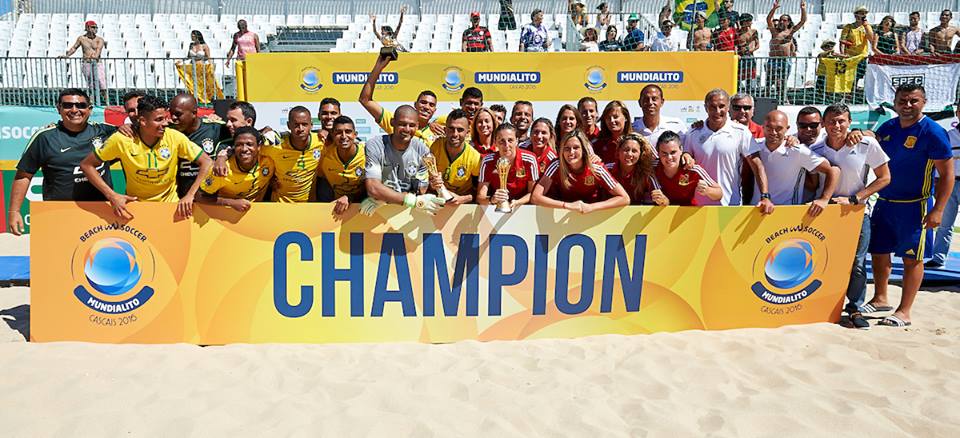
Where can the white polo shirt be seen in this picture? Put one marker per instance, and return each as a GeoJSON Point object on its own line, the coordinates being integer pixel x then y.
{"type": "Point", "coordinates": [856, 164]}
{"type": "Point", "coordinates": [786, 169]}
{"type": "Point", "coordinates": [954, 135]}
{"type": "Point", "coordinates": [666, 124]}
{"type": "Point", "coordinates": [721, 154]}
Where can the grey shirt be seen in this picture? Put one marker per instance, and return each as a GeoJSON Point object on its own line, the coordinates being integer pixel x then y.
{"type": "Point", "coordinates": [401, 171]}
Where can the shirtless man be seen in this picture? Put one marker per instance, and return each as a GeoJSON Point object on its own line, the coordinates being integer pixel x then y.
{"type": "Point", "coordinates": [781, 47]}
{"type": "Point", "coordinates": [93, 70]}
{"type": "Point", "coordinates": [700, 38]}
{"type": "Point", "coordinates": [942, 35]}
{"type": "Point", "coordinates": [748, 41]}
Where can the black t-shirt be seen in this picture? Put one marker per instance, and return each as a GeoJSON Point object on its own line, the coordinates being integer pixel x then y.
{"type": "Point", "coordinates": [207, 136]}
{"type": "Point", "coordinates": [58, 153]}
{"type": "Point", "coordinates": [609, 46]}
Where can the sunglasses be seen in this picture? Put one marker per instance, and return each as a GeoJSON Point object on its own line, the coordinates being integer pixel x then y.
{"type": "Point", "coordinates": [813, 125]}
{"type": "Point", "coordinates": [742, 107]}
{"type": "Point", "coordinates": [77, 105]}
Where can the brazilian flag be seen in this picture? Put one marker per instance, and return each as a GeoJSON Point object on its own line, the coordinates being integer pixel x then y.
{"type": "Point", "coordinates": [684, 13]}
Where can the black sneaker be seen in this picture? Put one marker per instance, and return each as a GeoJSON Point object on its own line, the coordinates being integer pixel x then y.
{"type": "Point", "coordinates": [930, 264]}
{"type": "Point", "coordinates": [858, 321]}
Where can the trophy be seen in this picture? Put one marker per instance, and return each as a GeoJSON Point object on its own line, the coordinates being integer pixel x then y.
{"type": "Point", "coordinates": [431, 162]}
{"type": "Point", "coordinates": [503, 170]}
{"type": "Point", "coordinates": [389, 52]}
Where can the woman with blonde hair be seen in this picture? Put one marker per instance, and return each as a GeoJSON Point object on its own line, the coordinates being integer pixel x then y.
{"type": "Point", "coordinates": [634, 170]}
{"type": "Point", "coordinates": [482, 129]}
{"type": "Point", "coordinates": [614, 124]}
{"type": "Point", "coordinates": [574, 182]}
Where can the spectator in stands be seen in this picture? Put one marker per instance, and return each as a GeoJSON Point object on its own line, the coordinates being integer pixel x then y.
{"type": "Point", "coordinates": [197, 74]}
{"type": "Point", "coordinates": [520, 117]}
{"type": "Point", "coordinates": [534, 36]}
{"type": "Point", "coordinates": [887, 41]}
{"type": "Point", "coordinates": [614, 124]}
{"type": "Point", "coordinates": [542, 141]}
{"type": "Point", "coordinates": [587, 106]}
{"type": "Point", "coordinates": [387, 35]}
{"type": "Point", "coordinates": [603, 18]}
{"type": "Point", "coordinates": [633, 169]}
{"type": "Point", "coordinates": [57, 151]}
{"type": "Point", "coordinates": [724, 37]}
{"type": "Point", "coordinates": [699, 38]}
{"type": "Point", "coordinates": [913, 42]}
{"type": "Point", "coordinates": [782, 48]}
{"type": "Point", "coordinates": [426, 106]}
{"type": "Point", "coordinates": [725, 7]}
{"type": "Point", "coordinates": [578, 14]}
{"type": "Point", "coordinates": [93, 70]}
{"type": "Point", "coordinates": [477, 37]}
{"type": "Point", "coordinates": [633, 39]}
{"type": "Point", "coordinates": [589, 43]}
{"type": "Point", "coordinates": [941, 37]}
{"type": "Point", "coordinates": [507, 18]}
{"type": "Point", "coordinates": [748, 41]}
{"type": "Point", "coordinates": [611, 44]}
{"type": "Point", "coordinates": [499, 112]}
{"type": "Point", "coordinates": [664, 41]}
{"type": "Point", "coordinates": [827, 50]}
{"type": "Point", "coordinates": [944, 235]}
{"type": "Point", "coordinates": [856, 39]}
{"type": "Point", "coordinates": [198, 50]}
{"type": "Point", "coordinates": [481, 131]}
{"type": "Point", "coordinates": [576, 182]}
{"type": "Point", "coordinates": [244, 43]}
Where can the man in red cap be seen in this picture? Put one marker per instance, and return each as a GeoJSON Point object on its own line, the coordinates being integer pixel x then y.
{"type": "Point", "coordinates": [477, 37]}
{"type": "Point", "coordinates": [93, 69]}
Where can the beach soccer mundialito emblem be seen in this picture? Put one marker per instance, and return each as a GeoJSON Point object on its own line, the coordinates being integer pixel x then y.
{"type": "Point", "coordinates": [113, 268]}
{"type": "Point", "coordinates": [788, 269]}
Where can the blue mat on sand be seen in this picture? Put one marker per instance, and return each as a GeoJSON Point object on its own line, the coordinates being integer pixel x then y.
{"type": "Point", "coordinates": [14, 270]}
{"type": "Point", "coordinates": [948, 274]}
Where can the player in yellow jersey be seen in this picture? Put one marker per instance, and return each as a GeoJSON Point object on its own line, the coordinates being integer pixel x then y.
{"type": "Point", "coordinates": [297, 158]}
{"type": "Point", "coordinates": [248, 176]}
{"type": "Point", "coordinates": [459, 164]}
{"type": "Point", "coordinates": [341, 167]}
{"type": "Point", "coordinates": [426, 105]}
{"type": "Point", "coordinates": [150, 161]}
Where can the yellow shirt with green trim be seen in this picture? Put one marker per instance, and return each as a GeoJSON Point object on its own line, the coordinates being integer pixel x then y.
{"type": "Point", "coordinates": [296, 170]}
{"type": "Point", "coordinates": [239, 184]}
{"type": "Point", "coordinates": [386, 118]}
{"type": "Point", "coordinates": [458, 172]}
{"type": "Point", "coordinates": [346, 179]}
{"type": "Point", "coordinates": [151, 172]}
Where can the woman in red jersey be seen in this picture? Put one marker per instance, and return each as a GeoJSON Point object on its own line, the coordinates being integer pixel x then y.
{"type": "Point", "coordinates": [481, 132]}
{"type": "Point", "coordinates": [614, 124]}
{"type": "Point", "coordinates": [575, 183]}
{"type": "Point", "coordinates": [542, 140]}
{"type": "Point", "coordinates": [568, 120]}
{"type": "Point", "coordinates": [523, 171]}
{"type": "Point", "coordinates": [678, 184]}
{"type": "Point", "coordinates": [633, 168]}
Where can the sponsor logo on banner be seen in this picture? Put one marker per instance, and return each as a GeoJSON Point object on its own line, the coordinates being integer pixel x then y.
{"type": "Point", "coordinates": [898, 80]}
{"type": "Point", "coordinates": [594, 79]}
{"type": "Point", "coordinates": [644, 77]}
{"type": "Point", "coordinates": [507, 77]}
{"type": "Point", "coordinates": [790, 265]}
{"type": "Point", "coordinates": [18, 132]}
{"type": "Point", "coordinates": [113, 268]}
{"type": "Point", "coordinates": [452, 79]}
{"type": "Point", "coordinates": [360, 78]}
{"type": "Point", "coordinates": [310, 80]}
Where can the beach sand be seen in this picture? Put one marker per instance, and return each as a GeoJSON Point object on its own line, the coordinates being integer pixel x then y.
{"type": "Point", "coordinates": [812, 380]}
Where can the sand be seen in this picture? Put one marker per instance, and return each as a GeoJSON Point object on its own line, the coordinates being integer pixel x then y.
{"type": "Point", "coordinates": [813, 380]}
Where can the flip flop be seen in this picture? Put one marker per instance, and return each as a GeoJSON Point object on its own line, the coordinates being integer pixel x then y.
{"type": "Point", "coordinates": [893, 321]}
{"type": "Point", "coordinates": [870, 308]}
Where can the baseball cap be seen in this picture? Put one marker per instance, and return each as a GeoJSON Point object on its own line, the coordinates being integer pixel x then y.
{"type": "Point", "coordinates": [702, 14]}
{"type": "Point", "coordinates": [474, 14]}
{"type": "Point", "coordinates": [633, 17]}
{"type": "Point", "coordinates": [90, 23]}
{"type": "Point", "coordinates": [861, 8]}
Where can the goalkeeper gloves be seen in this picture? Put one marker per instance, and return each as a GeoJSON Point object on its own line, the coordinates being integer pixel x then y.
{"type": "Point", "coordinates": [367, 206]}
{"type": "Point", "coordinates": [430, 204]}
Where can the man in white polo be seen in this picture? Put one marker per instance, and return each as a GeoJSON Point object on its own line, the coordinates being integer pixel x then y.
{"type": "Point", "coordinates": [652, 124]}
{"type": "Point", "coordinates": [787, 166]}
{"type": "Point", "coordinates": [721, 147]}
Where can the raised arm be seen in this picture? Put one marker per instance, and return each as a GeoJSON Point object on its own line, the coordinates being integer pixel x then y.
{"type": "Point", "coordinates": [803, 16]}
{"type": "Point", "coordinates": [665, 12]}
{"type": "Point", "coordinates": [373, 21]}
{"type": "Point", "coordinates": [773, 10]}
{"type": "Point", "coordinates": [366, 93]}
{"type": "Point", "coordinates": [403, 10]}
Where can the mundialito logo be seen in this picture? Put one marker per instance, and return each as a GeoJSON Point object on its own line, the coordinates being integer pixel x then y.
{"type": "Point", "coordinates": [310, 80]}
{"type": "Point", "coordinates": [452, 79]}
{"type": "Point", "coordinates": [594, 79]}
{"type": "Point", "coordinates": [113, 268]}
{"type": "Point", "coordinates": [789, 266]}
{"type": "Point", "coordinates": [507, 77]}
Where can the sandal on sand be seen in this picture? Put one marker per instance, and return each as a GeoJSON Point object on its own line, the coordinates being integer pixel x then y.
{"type": "Point", "coordinates": [870, 308]}
{"type": "Point", "coordinates": [893, 321]}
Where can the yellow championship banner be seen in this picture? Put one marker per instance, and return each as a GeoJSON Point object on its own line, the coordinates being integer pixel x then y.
{"type": "Point", "coordinates": [297, 273]}
{"type": "Point", "coordinates": [560, 76]}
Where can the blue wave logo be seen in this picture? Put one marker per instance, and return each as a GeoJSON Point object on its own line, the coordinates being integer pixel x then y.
{"type": "Point", "coordinates": [111, 266]}
{"type": "Point", "coordinates": [452, 79]}
{"type": "Point", "coordinates": [310, 80]}
{"type": "Point", "coordinates": [595, 80]}
{"type": "Point", "coordinates": [788, 266]}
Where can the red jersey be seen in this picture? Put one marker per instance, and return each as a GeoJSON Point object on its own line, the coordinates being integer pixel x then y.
{"type": "Point", "coordinates": [755, 130]}
{"type": "Point", "coordinates": [725, 40]}
{"type": "Point", "coordinates": [593, 135]}
{"type": "Point", "coordinates": [475, 39]}
{"type": "Point", "coordinates": [544, 158]}
{"type": "Point", "coordinates": [682, 188]}
{"type": "Point", "coordinates": [638, 195]}
{"type": "Point", "coordinates": [522, 173]}
{"type": "Point", "coordinates": [591, 185]}
{"type": "Point", "coordinates": [606, 149]}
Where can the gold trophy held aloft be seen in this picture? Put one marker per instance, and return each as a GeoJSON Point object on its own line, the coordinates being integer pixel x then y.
{"type": "Point", "coordinates": [503, 170]}
{"type": "Point", "coordinates": [388, 37]}
{"type": "Point", "coordinates": [431, 163]}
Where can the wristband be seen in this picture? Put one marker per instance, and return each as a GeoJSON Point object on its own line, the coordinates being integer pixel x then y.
{"type": "Point", "coordinates": [764, 196]}
{"type": "Point", "coordinates": [854, 199]}
{"type": "Point", "coordinates": [409, 200]}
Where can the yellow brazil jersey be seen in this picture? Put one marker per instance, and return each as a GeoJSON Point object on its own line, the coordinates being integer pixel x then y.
{"type": "Point", "coordinates": [424, 133]}
{"type": "Point", "coordinates": [857, 37]}
{"type": "Point", "coordinates": [346, 179]}
{"type": "Point", "coordinates": [458, 172]}
{"type": "Point", "coordinates": [151, 172]}
{"type": "Point", "coordinates": [296, 170]}
{"type": "Point", "coordinates": [238, 184]}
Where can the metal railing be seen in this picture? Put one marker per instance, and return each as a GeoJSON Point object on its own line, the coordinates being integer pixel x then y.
{"type": "Point", "coordinates": [36, 81]}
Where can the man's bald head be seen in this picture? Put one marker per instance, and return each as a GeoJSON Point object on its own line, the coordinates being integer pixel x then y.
{"type": "Point", "coordinates": [777, 116]}
{"type": "Point", "coordinates": [775, 128]}
{"type": "Point", "coordinates": [183, 113]}
{"type": "Point", "coordinates": [406, 110]}
{"type": "Point", "coordinates": [184, 101]}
